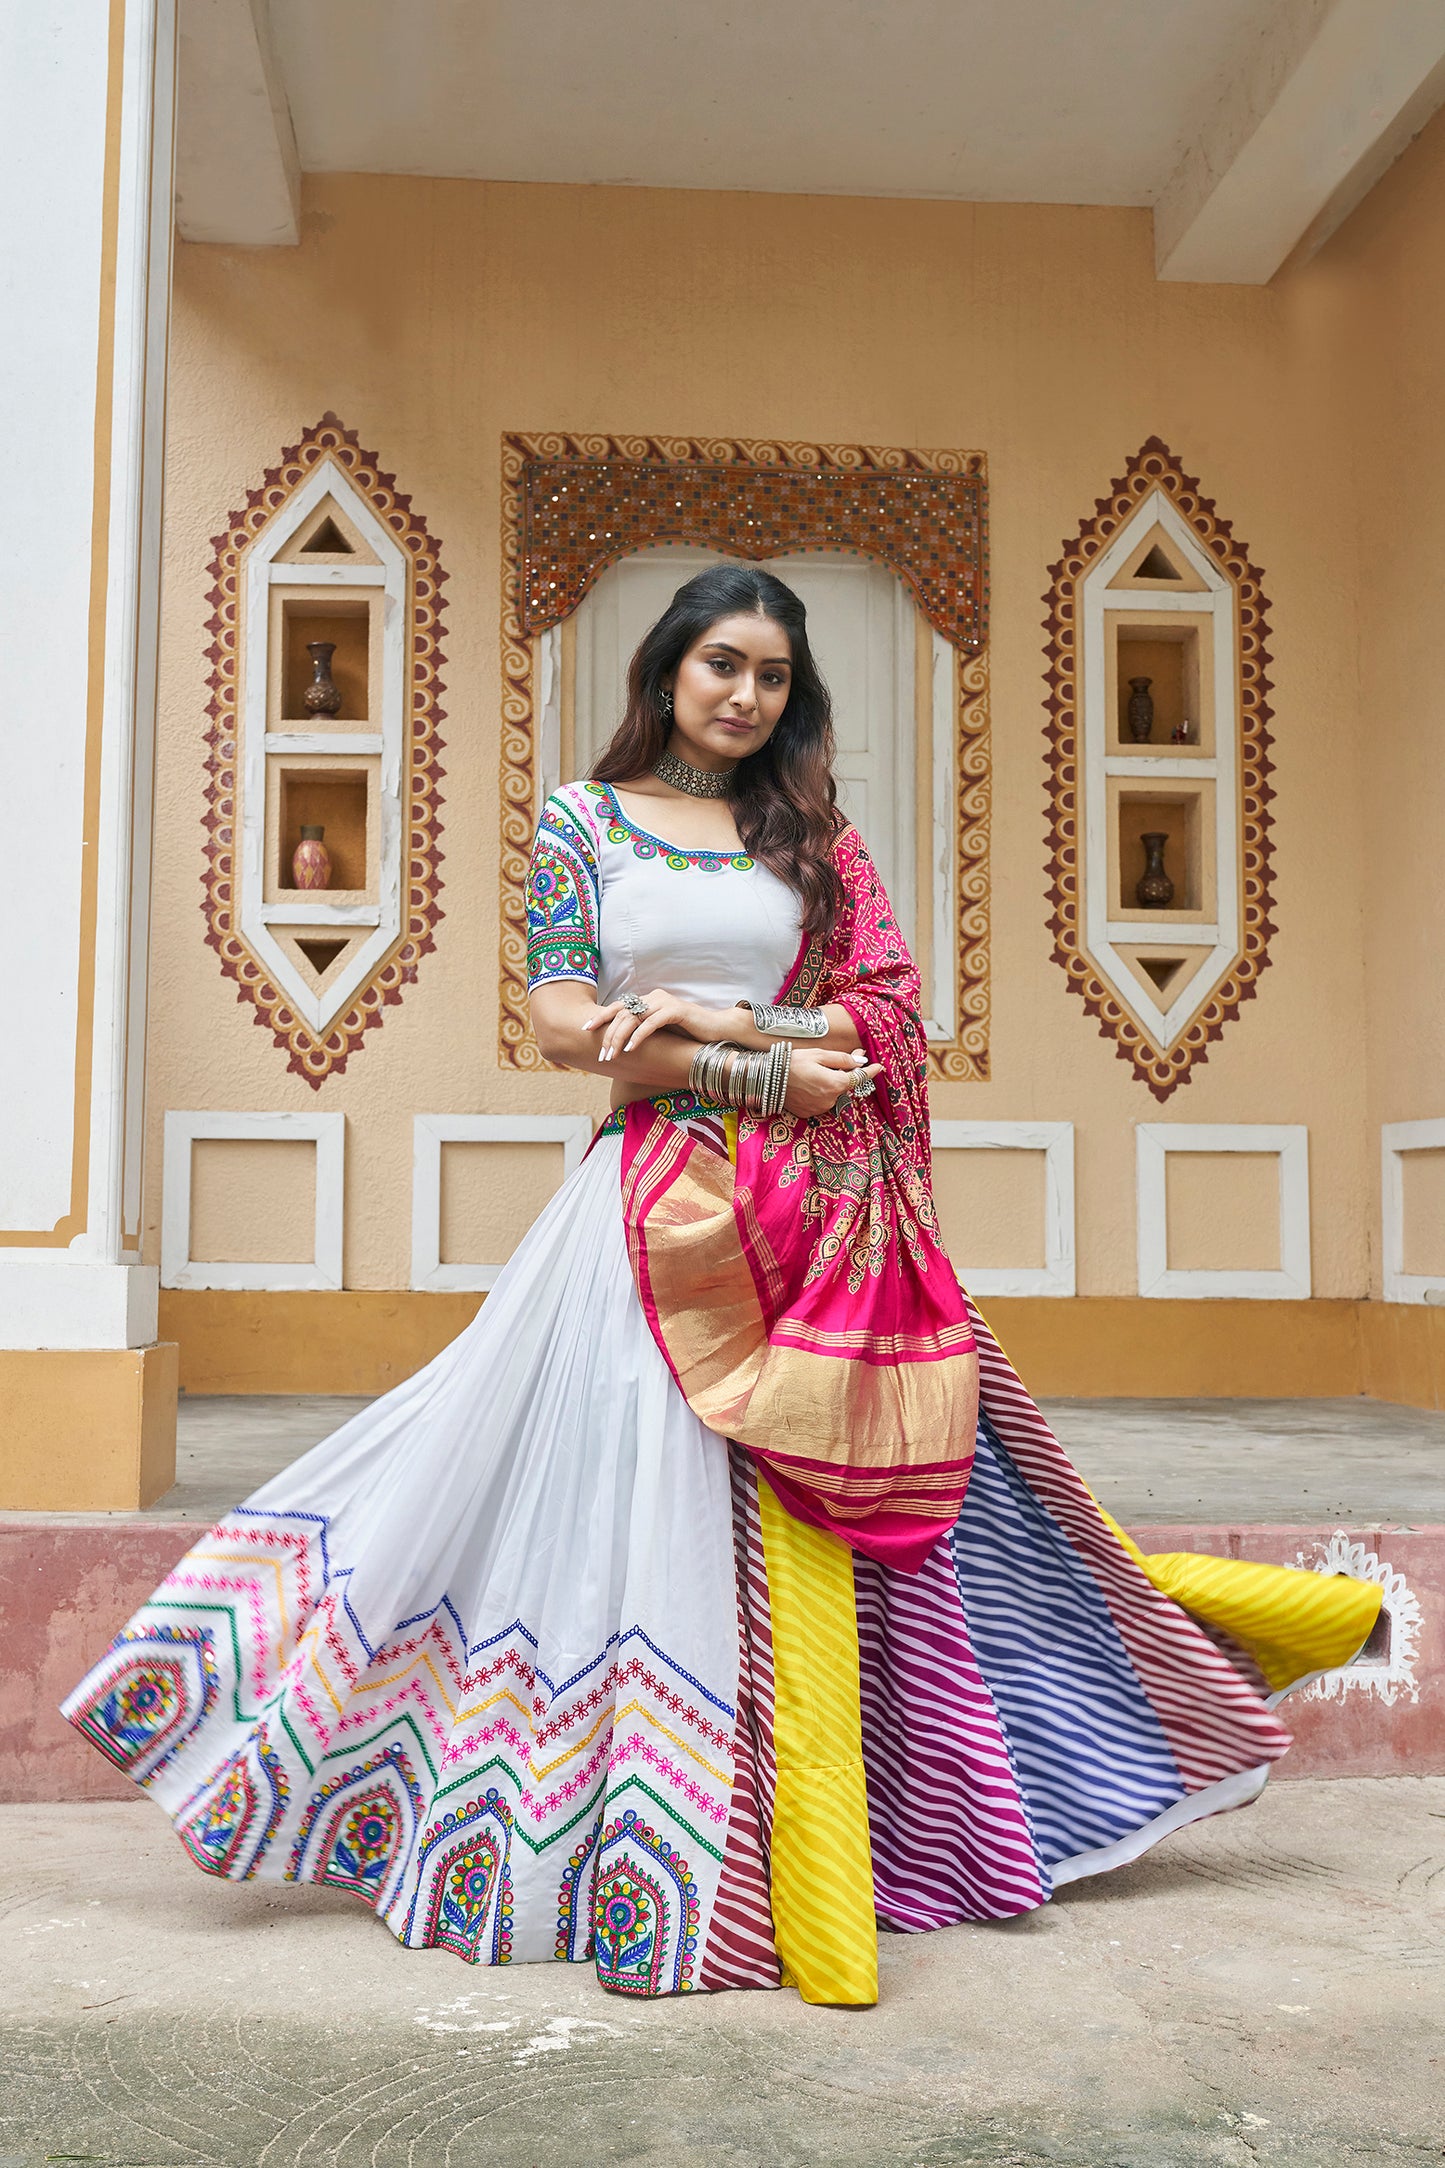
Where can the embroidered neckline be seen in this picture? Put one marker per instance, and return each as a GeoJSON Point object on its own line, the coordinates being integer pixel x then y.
{"type": "Point", "coordinates": [622, 830]}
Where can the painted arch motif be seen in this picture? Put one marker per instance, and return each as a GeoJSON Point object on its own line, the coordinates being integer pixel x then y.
{"type": "Point", "coordinates": [319, 1017]}
{"type": "Point", "coordinates": [1155, 530]}
{"type": "Point", "coordinates": [574, 504]}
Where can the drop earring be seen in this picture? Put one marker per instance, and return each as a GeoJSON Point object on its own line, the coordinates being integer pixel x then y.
{"type": "Point", "coordinates": [664, 702]}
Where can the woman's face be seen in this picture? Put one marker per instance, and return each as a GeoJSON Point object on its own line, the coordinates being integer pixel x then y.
{"type": "Point", "coordinates": [730, 689]}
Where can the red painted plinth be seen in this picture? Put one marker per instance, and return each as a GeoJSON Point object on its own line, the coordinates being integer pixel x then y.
{"type": "Point", "coordinates": [65, 1590]}
{"type": "Point", "coordinates": [1376, 1726]}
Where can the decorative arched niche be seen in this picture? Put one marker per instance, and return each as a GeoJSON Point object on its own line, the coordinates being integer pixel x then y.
{"type": "Point", "coordinates": [325, 550]}
{"type": "Point", "coordinates": [599, 529]}
{"type": "Point", "coordinates": [1155, 606]}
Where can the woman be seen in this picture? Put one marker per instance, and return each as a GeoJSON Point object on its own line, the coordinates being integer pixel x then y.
{"type": "Point", "coordinates": [719, 1592]}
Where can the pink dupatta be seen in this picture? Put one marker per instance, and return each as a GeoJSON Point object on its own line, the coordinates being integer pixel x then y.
{"type": "Point", "coordinates": [799, 1291]}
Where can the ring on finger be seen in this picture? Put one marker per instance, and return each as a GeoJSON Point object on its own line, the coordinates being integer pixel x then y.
{"type": "Point", "coordinates": [635, 1005]}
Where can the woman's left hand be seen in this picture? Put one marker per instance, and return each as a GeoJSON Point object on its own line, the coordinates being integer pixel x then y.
{"type": "Point", "coordinates": [622, 1029]}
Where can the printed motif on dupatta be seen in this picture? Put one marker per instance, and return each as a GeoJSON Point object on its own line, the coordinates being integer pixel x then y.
{"type": "Point", "coordinates": [802, 1297]}
{"type": "Point", "coordinates": [866, 1184]}
{"type": "Point", "coordinates": [862, 1192]}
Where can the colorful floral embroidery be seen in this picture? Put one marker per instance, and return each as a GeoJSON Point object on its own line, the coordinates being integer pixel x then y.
{"type": "Point", "coordinates": [354, 1777]}
{"type": "Point", "coordinates": [564, 889]}
{"type": "Point", "coordinates": [214, 1834]}
{"type": "Point", "coordinates": [678, 1106]}
{"type": "Point", "coordinates": [465, 1859]}
{"type": "Point", "coordinates": [563, 899]}
{"type": "Point", "coordinates": [361, 1844]}
{"type": "Point", "coordinates": [574, 1900]}
{"type": "Point", "coordinates": [371, 1811]}
{"type": "Point", "coordinates": [151, 1700]}
{"type": "Point", "coordinates": [215, 1830]}
{"type": "Point", "coordinates": [640, 1879]}
{"type": "Point", "coordinates": [621, 830]}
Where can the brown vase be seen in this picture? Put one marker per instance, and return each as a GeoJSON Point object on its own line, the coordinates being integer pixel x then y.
{"type": "Point", "coordinates": [323, 695]}
{"type": "Point", "coordinates": [1155, 891]}
{"type": "Point", "coordinates": [1141, 710]}
{"type": "Point", "coordinates": [311, 861]}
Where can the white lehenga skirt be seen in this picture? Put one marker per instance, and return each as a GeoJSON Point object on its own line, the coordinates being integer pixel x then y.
{"type": "Point", "coordinates": [476, 1649]}
{"type": "Point", "coordinates": [497, 1658]}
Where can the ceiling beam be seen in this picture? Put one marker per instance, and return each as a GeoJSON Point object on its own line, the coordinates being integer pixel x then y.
{"type": "Point", "coordinates": [1331, 94]}
{"type": "Point", "coordinates": [238, 177]}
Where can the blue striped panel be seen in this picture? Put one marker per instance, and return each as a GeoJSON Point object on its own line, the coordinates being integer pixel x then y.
{"type": "Point", "coordinates": [1089, 1752]}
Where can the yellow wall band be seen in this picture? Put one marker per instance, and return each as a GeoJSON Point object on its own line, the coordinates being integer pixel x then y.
{"type": "Point", "coordinates": [365, 1340]}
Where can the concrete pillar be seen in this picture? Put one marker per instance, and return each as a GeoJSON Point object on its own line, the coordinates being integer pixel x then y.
{"type": "Point", "coordinates": [87, 1396]}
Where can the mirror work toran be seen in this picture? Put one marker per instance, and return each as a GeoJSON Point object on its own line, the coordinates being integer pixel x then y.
{"type": "Point", "coordinates": [572, 505]}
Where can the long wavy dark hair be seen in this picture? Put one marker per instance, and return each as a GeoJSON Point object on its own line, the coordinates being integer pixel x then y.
{"type": "Point", "coordinates": [783, 796]}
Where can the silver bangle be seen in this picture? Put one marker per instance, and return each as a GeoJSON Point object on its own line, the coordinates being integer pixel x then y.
{"type": "Point", "coordinates": [778, 1064]}
{"type": "Point", "coordinates": [753, 1079]}
{"type": "Point", "coordinates": [711, 1072]}
{"type": "Point", "coordinates": [787, 1022]}
{"type": "Point", "coordinates": [750, 1073]}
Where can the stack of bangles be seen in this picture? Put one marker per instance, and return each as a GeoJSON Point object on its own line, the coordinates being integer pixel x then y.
{"type": "Point", "coordinates": [756, 1080]}
{"type": "Point", "coordinates": [739, 1076]}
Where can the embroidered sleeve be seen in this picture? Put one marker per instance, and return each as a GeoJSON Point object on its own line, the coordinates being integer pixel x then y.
{"type": "Point", "coordinates": [563, 898]}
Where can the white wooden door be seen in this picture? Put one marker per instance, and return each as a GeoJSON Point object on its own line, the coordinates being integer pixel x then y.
{"type": "Point", "coordinates": [861, 623]}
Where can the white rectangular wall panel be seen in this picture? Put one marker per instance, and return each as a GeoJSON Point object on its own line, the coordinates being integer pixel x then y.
{"type": "Point", "coordinates": [574, 1132]}
{"type": "Point", "coordinates": [1290, 1143]}
{"type": "Point", "coordinates": [1056, 1276]}
{"type": "Point", "coordinates": [326, 1131]}
{"type": "Point", "coordinates": [1397, 1139]}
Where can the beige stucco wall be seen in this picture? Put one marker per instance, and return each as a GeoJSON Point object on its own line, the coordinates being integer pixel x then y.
{"type": "Point", "coordinates": [432, 315]}
{"type": "Point", "coordinates": [1380, 288]}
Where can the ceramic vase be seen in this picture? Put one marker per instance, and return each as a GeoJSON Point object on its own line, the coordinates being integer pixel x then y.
{"type": "Point", "coordinates": [311, 861]}
{"type": "Point", "coordinates": [1141, 710]}
{"type": "Point", "coordinates": [323, 695]}
{"type": "Point", "coordinates": [1155, 891]}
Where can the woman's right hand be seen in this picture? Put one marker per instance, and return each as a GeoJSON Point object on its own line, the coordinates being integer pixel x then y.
{"type": "Point", "coordinates": [817, 1081]}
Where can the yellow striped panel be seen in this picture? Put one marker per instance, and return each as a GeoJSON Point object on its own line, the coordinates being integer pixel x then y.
{"type": "Point", "coordinates": [1292, 1622]}
{"type": "Point", "coordinates": [822, 1864]}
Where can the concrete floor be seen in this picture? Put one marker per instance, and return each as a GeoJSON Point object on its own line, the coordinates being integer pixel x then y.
{"type": "Point", "coordinates": [1360, 1462]}
{"type": "Point", "coordinates": [1268, 1987]}
{"type": "Point", "coordinates": [1258, 1460]}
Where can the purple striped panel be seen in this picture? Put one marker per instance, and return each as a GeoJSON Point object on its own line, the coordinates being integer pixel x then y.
{"type": "Point", "coordinates": [1214, 1724]}
{"type": "Point", "coordinates": [950, 1832]}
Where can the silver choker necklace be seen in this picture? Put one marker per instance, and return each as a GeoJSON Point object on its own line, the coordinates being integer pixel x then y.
{"type": "Point", "coordinates": [697, 782]}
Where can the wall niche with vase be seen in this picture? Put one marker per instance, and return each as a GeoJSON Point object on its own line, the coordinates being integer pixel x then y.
{"type": "Point", "coordinates": [322, 776]}
{"type": "Point", "coordinates": [1159, 765]}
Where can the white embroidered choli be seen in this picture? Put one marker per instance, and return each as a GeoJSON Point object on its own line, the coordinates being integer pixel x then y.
{"type": "Point", "coordinates": [612, 904]}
